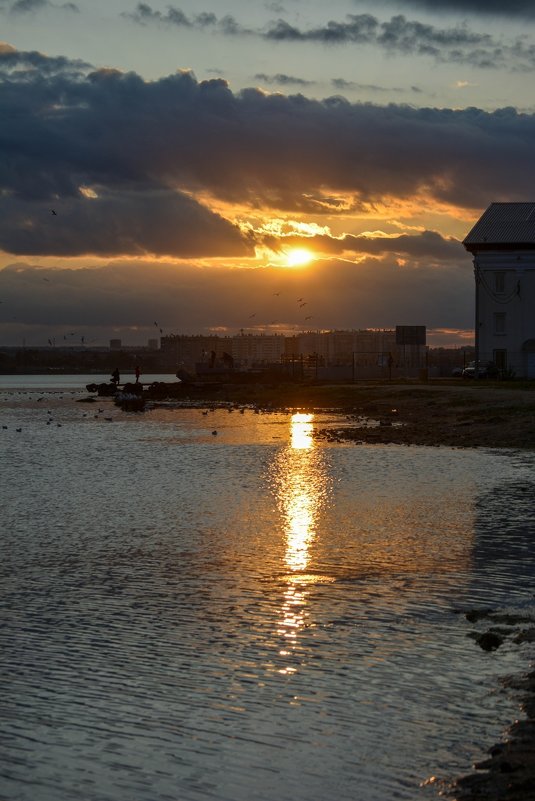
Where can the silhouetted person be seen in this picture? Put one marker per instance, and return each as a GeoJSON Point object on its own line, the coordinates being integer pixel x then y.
{"type": "Point", "coordinates": [115, 377]}
{"type": "Point", "coordinates": [138, 373]}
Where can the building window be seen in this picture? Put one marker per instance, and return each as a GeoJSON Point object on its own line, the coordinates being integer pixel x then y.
{"type": "Point", "coordinates": [500, 359]}
{"type": "Point", "coordinates": [499, 283]}
{"type": "Point", "coordinates": [499, 322]}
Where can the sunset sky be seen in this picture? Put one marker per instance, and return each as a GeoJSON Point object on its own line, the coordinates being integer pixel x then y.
{"type": "Point", "coordinates": [206, 165]}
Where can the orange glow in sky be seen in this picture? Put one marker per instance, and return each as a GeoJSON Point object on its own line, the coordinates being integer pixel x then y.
{"type": "Point", "coordinates": [298, 257]}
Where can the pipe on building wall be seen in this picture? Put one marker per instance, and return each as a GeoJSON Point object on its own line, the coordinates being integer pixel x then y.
{"type": "Point", "coordinates": [477, 278]}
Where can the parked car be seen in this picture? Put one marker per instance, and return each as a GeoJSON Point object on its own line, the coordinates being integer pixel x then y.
{"type": "Point", "coordinates": [486, 370]}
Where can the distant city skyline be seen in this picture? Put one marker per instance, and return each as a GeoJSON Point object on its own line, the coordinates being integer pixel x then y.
{"type": "Point", "coordinates": [207, 167]}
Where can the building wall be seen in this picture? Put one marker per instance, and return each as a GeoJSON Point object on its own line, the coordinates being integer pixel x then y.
{"type": "Point", "coordinates": [375, 350]}
{"type": "Point", "coordinates": [505, 309]}
{"type": "Point", "coordinates": [249, 349]}
{"type": "Point", "coordinates": [187, 351]}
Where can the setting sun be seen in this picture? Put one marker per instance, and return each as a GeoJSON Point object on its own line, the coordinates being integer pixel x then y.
{"type": "Point", "coordinates": [298, 256]}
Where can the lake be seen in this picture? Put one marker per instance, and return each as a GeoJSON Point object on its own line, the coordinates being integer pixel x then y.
{"type": "Point", "coordinates": [246, 615]}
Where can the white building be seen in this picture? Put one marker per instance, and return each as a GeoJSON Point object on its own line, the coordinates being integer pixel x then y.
{"type": "Point", "coordinates": [502, 243]}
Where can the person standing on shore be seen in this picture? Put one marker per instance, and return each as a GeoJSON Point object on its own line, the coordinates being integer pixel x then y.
{"type": "Point", "coordinates": [116, 377]}
{"type": "Point", "coordinates": [138, 373]}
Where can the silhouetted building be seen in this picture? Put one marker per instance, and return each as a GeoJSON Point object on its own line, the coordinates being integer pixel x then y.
{"type": "Point", "coordinates": [502, 243]}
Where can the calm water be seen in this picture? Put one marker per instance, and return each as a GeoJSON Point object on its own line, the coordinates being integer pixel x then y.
{"type": "Point", "coordinates": [247, 616]}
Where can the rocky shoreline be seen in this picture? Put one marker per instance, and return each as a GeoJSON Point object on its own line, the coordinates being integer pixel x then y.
{"type": "Point", "coordinates": [508, 774]}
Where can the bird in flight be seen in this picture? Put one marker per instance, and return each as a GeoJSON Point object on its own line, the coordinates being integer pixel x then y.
{"type": "Point", "coordinates": [309, 317]}
{"type": "Point", "coordinates": [276, 294]}
{"type": "Point", "coordinates": [54, 212]}
{"type": "Point", "coordinates": [302, 304]}
{"type": "Point", "coordinates": [252, 315]}
{"type": "Point", "coordinates": [299, 300]}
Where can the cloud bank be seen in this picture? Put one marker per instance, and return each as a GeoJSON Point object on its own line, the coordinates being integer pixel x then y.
{"type": "Point", "coordinates": [125, 298]}
{"type": "Point", "coordinates": [132, 166]}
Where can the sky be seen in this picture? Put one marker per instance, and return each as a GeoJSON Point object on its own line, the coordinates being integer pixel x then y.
{"type": "Point", "coordinates": [271, 167]}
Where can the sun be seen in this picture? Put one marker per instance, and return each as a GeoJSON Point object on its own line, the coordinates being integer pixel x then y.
{"type": "Point", "coordinates": [297, 257]}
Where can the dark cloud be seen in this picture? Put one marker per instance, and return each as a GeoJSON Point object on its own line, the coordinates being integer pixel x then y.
{"type": "Point", "coordinates": [141, 145]}
{"type": "Point", "coordinates": [145, 14]}
{"type": "Point", "coordinates": [342, 85]}
{"type": "Point", "coordinates": [358, 29]}
{"type": "Point", "coordinates": [32, 64]}
{"type": "Point", "coordinates": [399, 35]}
{"type": "Point", "coordinates": [30, 6]}
{"type": "Point", "coordinates": [135, 222]}
{"type": "Point", "coordinates": [458, 45]}
{"type": "Point", "coordinates": [426, 245]}
{"type": "Point", "coordinates": [498, 8]}
{"type": "Point", "coordinates": [281, 79]}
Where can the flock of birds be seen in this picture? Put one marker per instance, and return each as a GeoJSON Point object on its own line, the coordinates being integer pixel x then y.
{"type": "Point", "coordinates": [301, 304]}
{"type": "Point", "coordinates": [50, 416]}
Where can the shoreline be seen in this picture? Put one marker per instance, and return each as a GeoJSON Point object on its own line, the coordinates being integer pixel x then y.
{"type": "Point", "coordinates": [461, 415]}
{"type": "Point", "coordinates": [451, 414]}
{"type": "Point", "coordinates": [508, 774]}
{"type": "Point", "coordinates": [443, 412]}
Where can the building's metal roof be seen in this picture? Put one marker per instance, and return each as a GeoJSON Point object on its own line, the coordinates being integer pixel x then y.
{"type": "Point", "coordinates": [504, 225]}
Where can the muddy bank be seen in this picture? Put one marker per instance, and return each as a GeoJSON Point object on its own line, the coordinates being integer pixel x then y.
{"type": "Point", "coordinates": [454, 413]}
{"type": "Point", "coordinates": [464, 416]}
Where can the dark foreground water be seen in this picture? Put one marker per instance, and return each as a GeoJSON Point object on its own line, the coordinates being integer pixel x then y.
{"type": "Point", "coordinates": [246, 616]}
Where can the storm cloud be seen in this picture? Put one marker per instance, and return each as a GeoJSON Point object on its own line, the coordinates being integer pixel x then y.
{"type": "Point", "coordinates": [134, 222]}
{"type": "Point", "coordinates": [109, 148]}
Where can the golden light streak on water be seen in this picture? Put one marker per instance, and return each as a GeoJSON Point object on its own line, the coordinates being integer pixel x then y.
{"type": "Point", "coordinates": [300, 488]}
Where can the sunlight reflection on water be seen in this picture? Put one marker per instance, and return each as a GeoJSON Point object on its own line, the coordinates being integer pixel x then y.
{"type": "Point", "coordinates": [248, 615]}
{"type": "Point", "coordinates": [302, 485]}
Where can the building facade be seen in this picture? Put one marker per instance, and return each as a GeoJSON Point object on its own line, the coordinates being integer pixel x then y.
{"type": "Point", "coordinates": [502, 244]}
{"type": "Point", "coordinates": [366, 353]}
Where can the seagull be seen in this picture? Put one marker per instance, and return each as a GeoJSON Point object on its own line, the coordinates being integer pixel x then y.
{"type": "Point", "coordinates": [299, 300]}
{"type": "Point", "coordinates": [276, 294]}
{"type": "Point", "coordinates": [252, 315]}
{"type": "Point", "coordinates": [302, 304]}
{"type": "Point", "coordinates": [309, 317]}
{"type": "Point", "coordinates": [54, 212]}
